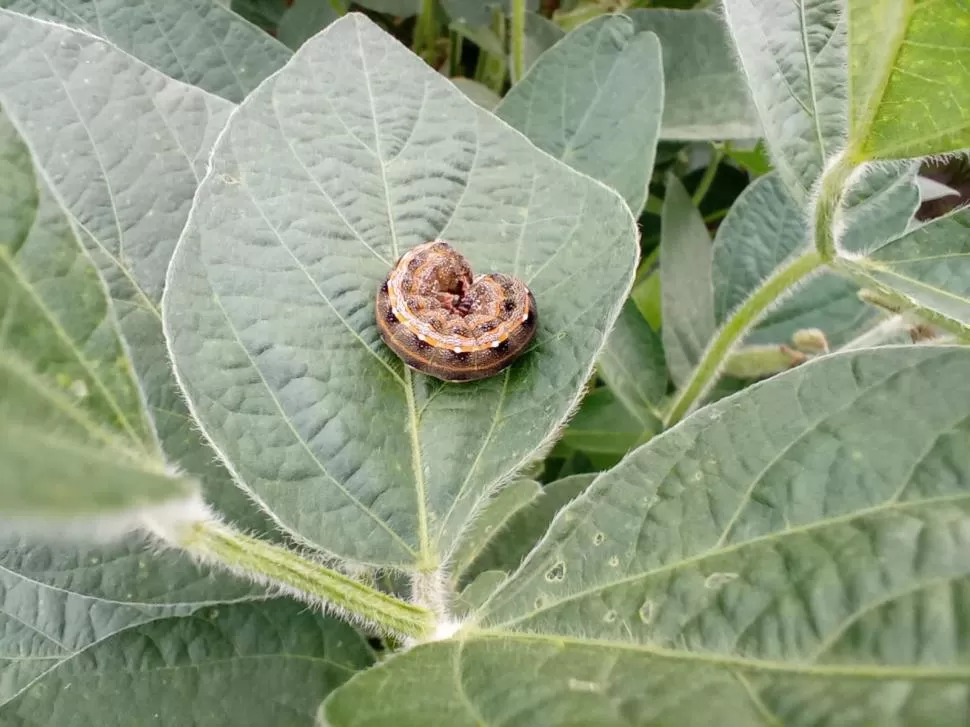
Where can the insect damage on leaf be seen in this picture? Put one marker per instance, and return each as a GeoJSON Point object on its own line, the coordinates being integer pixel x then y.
{"type": "Point", "coordinates": [446, 323]}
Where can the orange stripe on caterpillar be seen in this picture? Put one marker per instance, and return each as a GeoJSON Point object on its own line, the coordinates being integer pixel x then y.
{"type": "Point", "coordinates": [444, 322]}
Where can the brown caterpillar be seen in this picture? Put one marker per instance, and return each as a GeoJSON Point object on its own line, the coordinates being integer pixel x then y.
{"type": "Point", "coordinates": [443, 322]}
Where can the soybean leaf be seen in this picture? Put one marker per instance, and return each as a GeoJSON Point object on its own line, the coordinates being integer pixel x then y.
{"type": "Point", "coordinates": [364, 152]}
{"type": "Point", "coordinates": [687, 290]}
{"type": "Point", "coordinates": [126, 188]}
{"type": "Point", "coordinates": [74, 438]}
{"type": "Point", "coordinates": [793, 55]}
{"type": "Point", "coordinates": [789, 555]}
{"type": "Point", "coordinates": [540, 35]}
{"type": "Point", "coordinates": [490, 523]}
{"type": "Point", "coordinates": [880, 208]}
{"type": "Point", "coordinates": [200, 42]}
{"type": "Point", "coordinates": [59, 332]}
{"type": "Point", "coordinates": [524, 528]}
{"type": "Point", "coordinates": [909, 78]}
{"type": "Point", "coordinates": [765, 227]}
{"type": "Point", "coordinates": [477, 592]}
{"type": "Point", "coordinates": [576, 103]}
{"type": "Point", "coordinates": [265, 14]}
{"type": "Point", "coordinates": [265, 665]}
{"type": "Point", "coordinates": [304, 19]}
{"type": "Point", "coordinates": [57, 601]}
{"type": "Point", "coordinates": [928, 266]}
{"type": "Point", "coordinates": [592, 684]}
{"type": "Point", "coordinates": [478, 92]}
{"type": "Point", "coordinates": [632, 365]}
{"type": "Point", "coordinates": [602, 425]}
{"type": "Point", "coordinates": [706, 96]}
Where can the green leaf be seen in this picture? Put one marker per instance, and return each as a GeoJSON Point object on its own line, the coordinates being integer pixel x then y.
{"type": "Point", "coordinates": [540, 35]}
{"type": "Point", "coordinates": [479, 12]}
{"type": "Point", "coordinates": [929, 267]}
{"type": "Point", "coordinates": [270, 308]}
{"type": "Point", "coordinates": [879, 208]}
{"type": "Point", "coordinates": [812, 464]}
{"type": "Point", "coordinates": [793, 55]}
{"type": "Point", "coordinates": [523, 528]}
{"type": "Point", "coordinates": [66, 93]}
{"type": "Point", "coordinates": [576, 102]}
{"type": "Point", "coordinates": [632, 365]}
{"type": "Point", "coordinates": [706, 96]}
{"type": "Point", "coordinates": [304, 19]}
{"type": "Point", "coordinates": [753, 159]}
{"type": "Point", "coordinates": [909, 78]}
{"type": "Point", "coordinates": [490, 523]}
{"type": "Point", "coordinates": [75, 442]}
{"type": "Point", "coordinates": [570, 682]}
{"type": "Point", "coordinates": [687, 289]}
{"type": "Point", "coordinates": [647, 296]}
{"type": "Point", "coordinates": [56, 602]}
{"type": "Point", "coordinates": [61, 338]}
{"type": "Point", "coordinates": [603, 425]}
{"type": "Point", "coordinates": [200, 42]}
{"type": "Point", "coordinates": [762, 231]}
{"type": "Point", "coordinates": [478, 92]}
{"type": "Point", "coordinates": [265, 665]}
{"type": "Point", "coordinates": [794, 555]}
{"type": "Point", "coordinates": [765, 227]}
{"type": "Point", "coordinates": [265, 14]}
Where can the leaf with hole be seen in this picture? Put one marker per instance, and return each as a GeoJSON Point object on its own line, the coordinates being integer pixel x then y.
{"type": "Point", "coordinates": [789, 552]}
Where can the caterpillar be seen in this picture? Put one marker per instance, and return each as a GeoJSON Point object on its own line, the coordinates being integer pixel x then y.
{"type": "Point", "coordinates": [444, 322]}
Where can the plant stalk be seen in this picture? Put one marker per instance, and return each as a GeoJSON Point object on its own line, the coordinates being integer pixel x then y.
{"type": "Point", "coordinates": [518, 40]}
{"type": "Point", "coordinates": [734, 330]}
{"type": "Point", "coordinates": [274, 565]}
{"type": "Point", "coordinates": [708, 178]}
{"type": "Point", "coordinates": [426, 33]}
{"type": "Point", "coordinates": [828, 205]}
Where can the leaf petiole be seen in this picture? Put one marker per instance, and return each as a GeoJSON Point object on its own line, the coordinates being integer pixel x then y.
{"type": "Point", "coordinates": [704, 376]}
{"type": "Point", "coordinates": [264, 562]}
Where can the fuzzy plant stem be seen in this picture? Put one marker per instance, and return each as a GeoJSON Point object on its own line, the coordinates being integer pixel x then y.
{"type": "Point", "coordinates": [264, 562]}
{"type": "Point", "coordinates": [828, 205]}
{"type": "Point", "coordinates": [518, 40]}
{"type": "Point", "coordinates": [734, 330]}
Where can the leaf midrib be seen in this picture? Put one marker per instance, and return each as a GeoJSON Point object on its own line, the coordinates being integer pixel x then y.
{"type": "Point", "coordinates": [860, 671]}
{"type": "Point", "coordinates": [885, 507]}
{"type": "Point", "coordinates": [872, 108]}
{"type": "Point", "coordinates": [76, 353]}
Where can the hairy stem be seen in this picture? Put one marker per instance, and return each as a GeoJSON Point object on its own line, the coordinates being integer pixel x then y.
{"type": "Point", "coordinates": [517, 40]}
{"type": "Point", "coordinates": [734, 330]}
{"type": "Point", "coordinates": [267, 563]}
{"type": "Point", "coordinates": [828, 205]}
